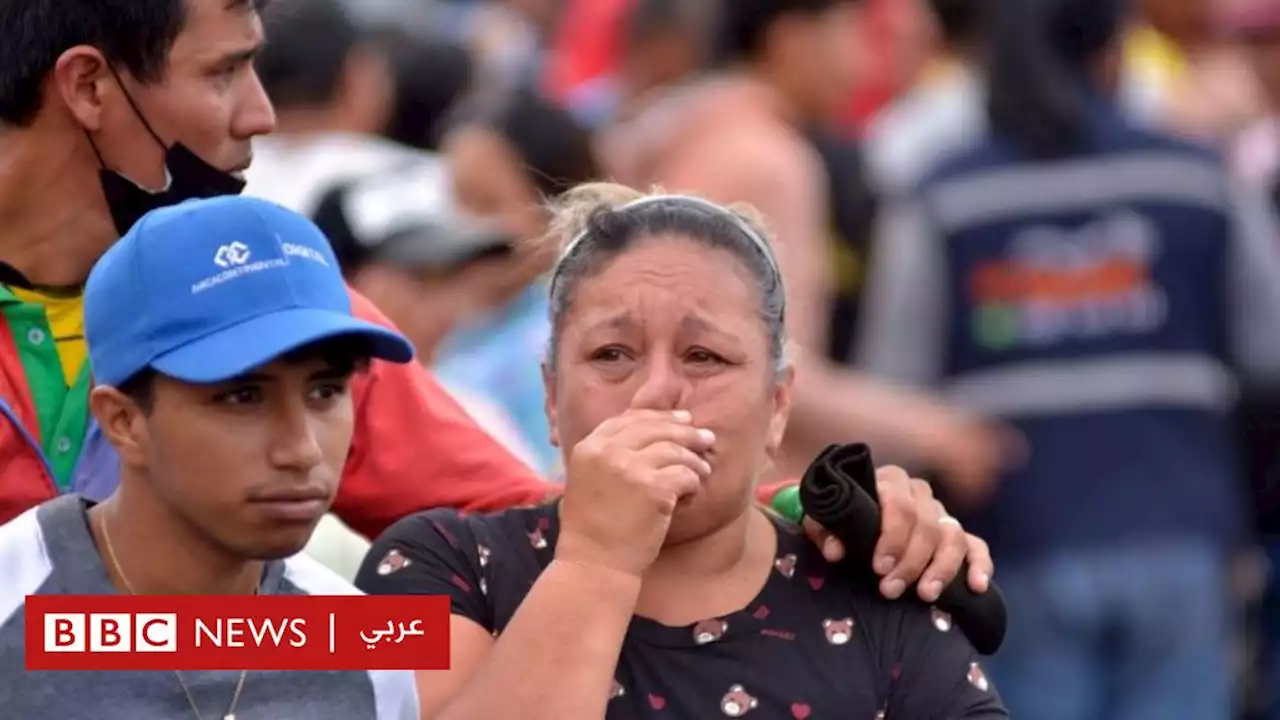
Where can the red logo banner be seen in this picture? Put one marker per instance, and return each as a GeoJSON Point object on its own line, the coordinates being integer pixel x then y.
{"type": "Point", "coordinates": [268, 632]}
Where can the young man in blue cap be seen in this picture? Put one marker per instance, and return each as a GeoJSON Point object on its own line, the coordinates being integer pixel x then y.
{"type": "Point", "coordinates": [223, 345]}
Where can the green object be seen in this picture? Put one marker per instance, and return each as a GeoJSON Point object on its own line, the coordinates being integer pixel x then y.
{"type": "Point", "coordinates": [62, 412]}
{"type": "Point", "coordinates": [786, 502]}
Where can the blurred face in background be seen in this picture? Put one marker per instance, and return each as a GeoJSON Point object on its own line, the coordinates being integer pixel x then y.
{"type": "Point", "coordinates": [1187, 22]}
{"type": "Point", "coordinates": [818, 58]}
{"type": "Point", "coordinates": [1262, 48]}
{"type": "Point", "coordinates": [491, 185]}
{"type": "Point", "coordinates": [913, 35]}
{"type": "Point", "coordinates": [662, 58]}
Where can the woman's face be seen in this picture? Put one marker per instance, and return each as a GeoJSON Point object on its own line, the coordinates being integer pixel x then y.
{"type": "Point", "coordinates": [671, 324]}
{"type": "Point", "coordinates": [490, 183]}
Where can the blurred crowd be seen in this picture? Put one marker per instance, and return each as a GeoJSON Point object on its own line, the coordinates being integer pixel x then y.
{"type": "Point", "coordinates": [1129, 496]}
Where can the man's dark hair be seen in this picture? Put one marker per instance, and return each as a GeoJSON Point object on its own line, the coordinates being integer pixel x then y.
{"type": "Point", "coordinates": [311, 41]}
{"type": "Point", "coordinates": [431, 76]}
{"type": "Point", "coordinates": [134, 34]}
{"type": "Point", "coordinates": [744, 25]}
{"type": "Point", "coordinates": [962, 22]}
{"type": "Point", "coordinates": [344, 355]}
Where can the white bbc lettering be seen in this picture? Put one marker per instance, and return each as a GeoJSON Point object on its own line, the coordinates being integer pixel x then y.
{"type": "Point", "coordinates": [203, 634]}
{"type": "Point", "coordinates": [64, 632]}
{"type": "Point", "coordinates": [244, 632]}
{"type": "Point", "coordinates": [110, 632]}
{"type": "Point", "coordinates": [303, 251]}
{"type": "Point", "coordinates": [156, 632]}
{"type": "Point", "coordinates": [237, 253]}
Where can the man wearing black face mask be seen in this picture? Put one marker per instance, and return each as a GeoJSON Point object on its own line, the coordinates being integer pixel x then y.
{"type": "Point", "coordinates": [188, 176]}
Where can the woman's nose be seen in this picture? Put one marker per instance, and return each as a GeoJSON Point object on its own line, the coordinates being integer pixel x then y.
{"type": "Point", "coordinates": [661, 386]}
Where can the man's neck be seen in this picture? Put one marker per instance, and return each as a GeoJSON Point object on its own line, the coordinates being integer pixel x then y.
{"type": "Point", "coordinates": [54, 222]}
{"type": "Point", "coordinates": [713, 575]}
{"type": "Point", "coordinates": [148, 551]}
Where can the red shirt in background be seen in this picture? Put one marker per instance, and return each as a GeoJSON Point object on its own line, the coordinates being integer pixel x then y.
{"type": "Point", "coordinates": [587, 44]}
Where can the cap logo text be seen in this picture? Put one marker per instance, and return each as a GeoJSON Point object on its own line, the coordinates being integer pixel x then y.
{"type": "Point", "coordinates": [303, 251]}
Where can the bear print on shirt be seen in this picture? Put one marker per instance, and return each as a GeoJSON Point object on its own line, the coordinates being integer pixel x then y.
{"type": "Point", "coordinates": [838, 632]}
{"type": "Point", "coordinates": [737, 702]}
{"type": "Point", "coordinates": [708, 631]}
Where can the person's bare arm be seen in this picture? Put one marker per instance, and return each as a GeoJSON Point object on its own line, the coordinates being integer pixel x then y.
{"type": "Point", "coordinates": [555, 659]}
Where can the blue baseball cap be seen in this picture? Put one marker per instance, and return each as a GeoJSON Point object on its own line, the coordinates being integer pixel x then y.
{"type": "Point", "coordinates": [208, 290]}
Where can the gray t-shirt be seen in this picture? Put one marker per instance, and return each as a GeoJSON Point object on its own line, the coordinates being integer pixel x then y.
{"type": "Point", "coordinates": [50, 551]}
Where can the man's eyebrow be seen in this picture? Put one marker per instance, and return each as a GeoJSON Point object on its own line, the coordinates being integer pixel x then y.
{"type": "Point", "coordinates": [333, 372]}
{"type": "Point", "coordinates": [242, 56]}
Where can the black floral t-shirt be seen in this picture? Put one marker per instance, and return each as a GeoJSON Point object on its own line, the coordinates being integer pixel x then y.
{"type": "Point", "coordinates": [812, 644]}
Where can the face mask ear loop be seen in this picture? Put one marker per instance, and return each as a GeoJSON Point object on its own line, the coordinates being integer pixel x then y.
{"type": "Point", "coordinates": [137, 111]}
{"type": "Point", "coordinates": [96, 152]}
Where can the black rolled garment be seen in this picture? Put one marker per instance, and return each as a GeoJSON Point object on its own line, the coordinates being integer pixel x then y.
{"type": "Point", "coordinates": [812, 644]}
{"type": "Point", "coordinates": [839, 492]}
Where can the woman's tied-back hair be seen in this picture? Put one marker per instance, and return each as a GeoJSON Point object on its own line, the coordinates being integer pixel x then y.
{"type": "Point", "coordinates": [594, 223]}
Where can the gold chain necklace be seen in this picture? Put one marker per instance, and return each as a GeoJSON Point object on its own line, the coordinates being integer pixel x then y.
{"type": "Point", "coordinates": [235, 699]}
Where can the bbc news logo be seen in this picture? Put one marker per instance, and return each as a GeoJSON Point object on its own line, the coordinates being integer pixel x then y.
{"type": "Point", "coordinates": [110, 632]}
{"type": "Point", "coordinates": [357, 632]}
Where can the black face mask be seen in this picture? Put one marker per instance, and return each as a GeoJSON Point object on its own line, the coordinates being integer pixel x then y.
{"type": "Point", "coordinates": [189, 178]}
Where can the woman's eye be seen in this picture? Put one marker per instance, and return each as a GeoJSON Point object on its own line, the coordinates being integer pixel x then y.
{"type": "Point", "coordinates": [608, 354]}
{"type": "Point", "coordinates": [702, 357]}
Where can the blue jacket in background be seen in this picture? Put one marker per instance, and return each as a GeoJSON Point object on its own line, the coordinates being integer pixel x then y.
{"type": "Point", "coordinates": [1106, 306]}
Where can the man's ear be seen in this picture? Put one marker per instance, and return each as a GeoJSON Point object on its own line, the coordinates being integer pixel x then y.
{"type": "Point", "coordinates": [549, 403]}
{"type": "Point", "coordinates": [122, 422]}
{"type": "Point", "coordinates": [82, 78]}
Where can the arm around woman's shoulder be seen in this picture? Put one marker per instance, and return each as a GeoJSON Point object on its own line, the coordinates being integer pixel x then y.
{"type": "Point", "coordinates": [936, 672]}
